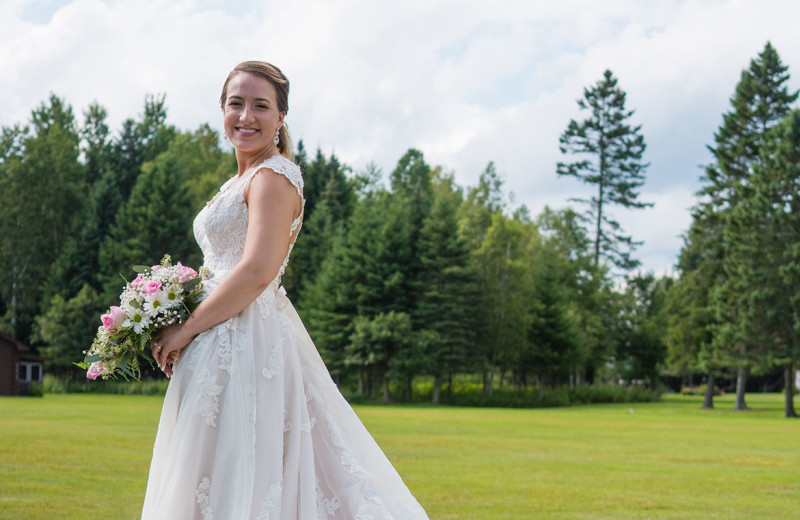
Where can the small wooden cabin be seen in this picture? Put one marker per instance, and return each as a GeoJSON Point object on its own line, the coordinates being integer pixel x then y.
{"type": "Point", "coordinates": [19, 366]}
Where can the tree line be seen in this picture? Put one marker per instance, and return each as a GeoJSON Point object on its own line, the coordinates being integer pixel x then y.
{"type": "Point", "coordinates": [409, 274]}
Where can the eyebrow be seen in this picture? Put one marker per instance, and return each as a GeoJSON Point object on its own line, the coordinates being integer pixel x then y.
{"type": "Point", "coordinates": [257, 99]}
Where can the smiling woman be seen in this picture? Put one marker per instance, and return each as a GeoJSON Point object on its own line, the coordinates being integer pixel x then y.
{"type": "Point", "coordinates": [253, 426]}
{"type": "Point", "coordinates": [254, 101]}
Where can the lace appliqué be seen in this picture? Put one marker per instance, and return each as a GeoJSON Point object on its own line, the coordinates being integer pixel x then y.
{"type": "Point", "coordinates": [265, 300]}
{"type": "Point", "coordinates": [287, 168]}
{"type": "Point", "coordinates": [270, 503]}
{"type": "Point", "coordinates": [231, 337]}
{"type": "Point", "coordinates": [311, 392]}
{"type": "Point", "coordinates": [287, 426]}
{"type": "Point", "coordinates": [373, 495]}
{"type": "Point", "coordinates": [221, 226]}
{"type": "Point", "coordinates": [326, 506]}
{"type": "Point", "coordinates": [308, 425]}
{"type": "Point", "coordinates": [208, 403]}
{"type": "Point", "coordinates": [196, 352]}
{"type": "Point", "coordinates": [275, 361]}
{"type": "Point", "coordinates": [348, 458]}
{"type": "Point", "coordinates": [362, 514]}
{"type": "Point", "coordinates": [202, 499]}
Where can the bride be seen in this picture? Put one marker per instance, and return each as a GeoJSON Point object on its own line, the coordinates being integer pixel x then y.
{"type": "Point", "coordinates": [252, 426]}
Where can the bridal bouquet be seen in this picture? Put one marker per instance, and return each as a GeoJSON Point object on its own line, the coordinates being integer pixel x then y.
{"type": "Point", "coordinates": [159, 296]}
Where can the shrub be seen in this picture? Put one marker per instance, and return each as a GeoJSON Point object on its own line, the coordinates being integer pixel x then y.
{"type": "Point", "coordinates": [56, 385]}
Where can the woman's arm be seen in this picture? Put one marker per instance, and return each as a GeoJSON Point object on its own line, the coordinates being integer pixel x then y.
{"type": "Point", "coordinates": [272, 205]}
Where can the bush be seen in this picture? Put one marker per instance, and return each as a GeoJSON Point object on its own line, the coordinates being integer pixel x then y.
{"type": "Point", "coordinates": [35, 389]}
{"type": "Point", "coordinates": [467, 392]}
{"type": "Point", "coordinates": [55, 385]}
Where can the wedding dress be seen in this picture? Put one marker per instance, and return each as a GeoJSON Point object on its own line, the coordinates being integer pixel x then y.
{"type": "Point", "coordinates": [253, 427]}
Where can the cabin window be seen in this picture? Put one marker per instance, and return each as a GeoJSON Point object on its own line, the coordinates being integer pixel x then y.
{"type": "Point", "coordinates": [29, 372]}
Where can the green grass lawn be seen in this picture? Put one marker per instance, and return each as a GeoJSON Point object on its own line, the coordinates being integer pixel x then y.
{"type": "Point", "coordinates": [87, 456]}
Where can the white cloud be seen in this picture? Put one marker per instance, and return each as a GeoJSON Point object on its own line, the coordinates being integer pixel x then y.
{"type": "Point", "coordinates": [466, 81]}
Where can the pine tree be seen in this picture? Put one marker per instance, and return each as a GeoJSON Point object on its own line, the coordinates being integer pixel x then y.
{"type": "Point", "coordinates": [447, 306]}
{"type": "Point", "coordinates": [155, 220]}
{"type": "Point", "coordinates": [348, 283]}
{"type": "Point", "coordinates": [609, 157]}
{"type": "Point", "coordinates": [760, 102]}
{"type": "Point", "coordinates": [554, 348]}
{"type": "Point", "coordinates": [374, 346]}
{"type": "Point", "coordinates": [768, 262]}
{"type": "Point", "coordinates": [330, 198]}
{"type": "Point", "coordinates": [691, 319]}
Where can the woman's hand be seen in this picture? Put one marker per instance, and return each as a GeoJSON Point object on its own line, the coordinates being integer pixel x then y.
{"type": "Point", "coordinates": [168, 345]}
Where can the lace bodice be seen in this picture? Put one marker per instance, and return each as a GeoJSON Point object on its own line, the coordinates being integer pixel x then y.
{"type": "Point", "coordinates": [221, 226]}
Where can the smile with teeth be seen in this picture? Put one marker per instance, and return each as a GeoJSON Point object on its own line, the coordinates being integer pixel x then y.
{"type": "Point", "coordinates": [247, 130]}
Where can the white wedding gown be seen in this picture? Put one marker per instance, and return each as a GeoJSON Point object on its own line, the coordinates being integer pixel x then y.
{"type": "Point", "coordinates": [253, 427]}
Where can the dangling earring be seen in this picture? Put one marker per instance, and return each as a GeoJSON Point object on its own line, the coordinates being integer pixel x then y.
{"type": "Point", "coordinates": [277, 137]}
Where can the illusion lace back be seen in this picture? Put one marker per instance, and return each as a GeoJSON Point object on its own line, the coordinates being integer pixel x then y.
{"type": "Point", "coordinates": [253, 427]}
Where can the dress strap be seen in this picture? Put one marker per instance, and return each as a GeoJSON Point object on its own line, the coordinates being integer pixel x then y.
{"type": "Point", "coordinates": [283, 166]}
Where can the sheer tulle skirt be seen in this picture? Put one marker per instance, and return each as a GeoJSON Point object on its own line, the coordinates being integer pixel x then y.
{"type": "Point", "coordinates": [253, 427]}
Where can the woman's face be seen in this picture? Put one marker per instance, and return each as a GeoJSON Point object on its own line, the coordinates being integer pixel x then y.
{"type": "Point", "coordinates": [251, 115]}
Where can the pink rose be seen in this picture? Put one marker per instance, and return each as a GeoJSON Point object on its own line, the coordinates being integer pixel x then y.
{"type": "Point", "coordinates": [187, 273]}
{"type": "Point", "coordinates": [137, 281]}
{"type": "Point", "coordinates": [95, 370]}
{"type": "Point", "coordinates": [151, 287]}
{"type": "Point", "coordinates": [114, 317]}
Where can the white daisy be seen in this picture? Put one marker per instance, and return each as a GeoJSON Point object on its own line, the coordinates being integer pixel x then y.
{"type": "Point", "coordinates": [173, 293]}
{"type": "Point", "coordinates": [137, 319]}
{"type": "Point", "coordinates": [155, 303]}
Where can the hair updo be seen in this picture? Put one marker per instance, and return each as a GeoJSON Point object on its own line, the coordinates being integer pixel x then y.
{"type": "Point", "coordinates": [278, 80]}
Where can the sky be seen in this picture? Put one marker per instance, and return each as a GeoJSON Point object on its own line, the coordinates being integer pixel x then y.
{"type": "Point", "coordinates": [464, 81]}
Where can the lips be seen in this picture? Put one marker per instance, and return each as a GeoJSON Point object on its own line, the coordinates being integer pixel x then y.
{"type": "Point", "coordinates": [247, 131]}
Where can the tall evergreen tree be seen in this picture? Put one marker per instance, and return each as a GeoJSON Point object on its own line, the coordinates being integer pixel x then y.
{"type": "Point", "coordinates": [330, 198]}
{"type": "Point", "coordinates": [154, 221]}
{"type": "Point", "coordinates": [609, 157]}
{"type": "Point", "coordinates": [761, 101]}
{"type": "Point", "coordinates": [348, 283]}
{"type": "Point", "coordinates": [448, 303]}
{"type": "Point", "coordinates": [554, 350]}
{"type": "Point", "coordinates": [411, 200]}
{"type": "Point", "coordinates": [691, 317]}
{"type": "Point", "coordinates": [768, 262]}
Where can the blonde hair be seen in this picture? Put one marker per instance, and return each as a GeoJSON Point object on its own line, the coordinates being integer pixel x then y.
{"type": "Point", "coordinates": [278, 80]}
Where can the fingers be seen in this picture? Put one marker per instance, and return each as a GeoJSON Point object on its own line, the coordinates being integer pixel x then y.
{"type": "Point", "coordinates": [171, 358]}
{"type": "Point", "coordinates": [157, 349]}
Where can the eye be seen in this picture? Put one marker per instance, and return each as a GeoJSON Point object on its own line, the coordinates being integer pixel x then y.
{"type": "Point", "coordinates": [262, 107]}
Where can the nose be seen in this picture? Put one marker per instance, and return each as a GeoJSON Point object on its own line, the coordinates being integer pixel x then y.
{"type": "Point", "coordinates": [246, 115]}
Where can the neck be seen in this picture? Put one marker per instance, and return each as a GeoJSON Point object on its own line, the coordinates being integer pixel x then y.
{"type": "Point", "coordinates": [248, 160]}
